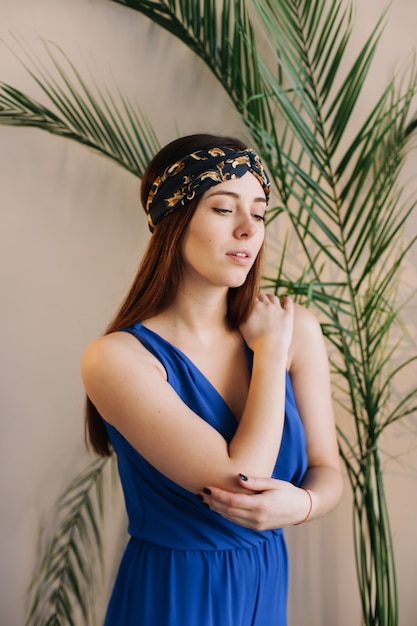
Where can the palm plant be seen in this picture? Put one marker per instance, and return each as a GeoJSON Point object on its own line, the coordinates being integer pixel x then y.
{"type": "Point", "coordinates": [68, 574]}
{"type": "Point", "coordinates": [338, 187]}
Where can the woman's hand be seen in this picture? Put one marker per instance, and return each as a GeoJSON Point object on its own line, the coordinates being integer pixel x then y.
{"type": "Point", "coordinates": [270, 323]}
{"type": "Point", "coordinates": [269, 503]}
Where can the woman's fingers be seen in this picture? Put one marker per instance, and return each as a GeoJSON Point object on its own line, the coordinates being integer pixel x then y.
{"type": "Point", "coordinates": [257, 484]}
{"type": "Point", "coordinates": [270, 320]}
{"type": "Point", "coordinates": [251, 509]}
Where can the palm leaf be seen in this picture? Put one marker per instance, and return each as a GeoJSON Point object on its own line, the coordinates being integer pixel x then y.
{"type": "Point", "coordinates": [224, 38]}
{"type": "Point", "coordinates": [110, 125]}
{"type": "Point", "coordinates": [71, 559]}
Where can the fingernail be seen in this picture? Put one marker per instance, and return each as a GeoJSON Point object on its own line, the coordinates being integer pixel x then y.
{"type": "Point", "coordinates": [243, 477]}
{"type": "Point", "coordinates": [207, 491]}
{"type": "Point", "coordinates": [199, 497]}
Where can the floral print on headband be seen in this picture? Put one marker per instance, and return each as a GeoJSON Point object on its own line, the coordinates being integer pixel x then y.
{"type": "Point", "coordinates": [191, 176]}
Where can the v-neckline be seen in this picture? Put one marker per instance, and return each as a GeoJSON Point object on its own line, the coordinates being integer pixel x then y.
{"type": "Point", "coordinates": [248, 354]}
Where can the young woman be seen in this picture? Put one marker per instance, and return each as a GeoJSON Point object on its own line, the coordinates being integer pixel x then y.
{"type": "Point", "coordinates": [215, 399]}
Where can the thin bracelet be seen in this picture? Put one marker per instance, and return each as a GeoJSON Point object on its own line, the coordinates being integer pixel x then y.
{"type": "Point", "coordinates": [309, 509]}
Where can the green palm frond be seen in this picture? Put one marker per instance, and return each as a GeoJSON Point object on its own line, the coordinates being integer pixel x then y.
{"type": "Point", "coordinates": [224, 37]}
{"type": "Point", "coordinates": [94, 117]}
{"type": "Point", "coordinates": [71, 560]}
{"type": "Point", "coordinates": [325, 179]}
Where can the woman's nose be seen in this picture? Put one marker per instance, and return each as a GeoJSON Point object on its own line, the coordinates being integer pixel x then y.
{"type": "Point", "coordinates": [246, 227]}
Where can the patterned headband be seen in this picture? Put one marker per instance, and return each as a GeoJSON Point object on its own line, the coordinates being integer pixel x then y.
{"type": "Point", "coordinates": [191, 176]}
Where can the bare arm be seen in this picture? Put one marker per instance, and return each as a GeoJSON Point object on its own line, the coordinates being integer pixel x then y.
{"type": "Point", "coordinates": [271, 503]}
{"type": "Point", "coordinates": [309, 370]}
{"type": "Point", "coordinates": [129, 388]}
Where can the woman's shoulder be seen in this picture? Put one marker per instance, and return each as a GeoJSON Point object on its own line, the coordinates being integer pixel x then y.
{"type": "Point", "coordinates": [307, 334]}
{"type": "Point", "coordinates": [111, 343]}
{"type": "Point", "coordinates": [304, 319]}
{"type": "Point", "coordinates": [118, 351]}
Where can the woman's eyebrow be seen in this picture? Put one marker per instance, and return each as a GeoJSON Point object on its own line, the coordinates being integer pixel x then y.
{"type": "Point", "coordinates": [234, 195]}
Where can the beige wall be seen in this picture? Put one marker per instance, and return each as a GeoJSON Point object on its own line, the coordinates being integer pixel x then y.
{"type": "Point", "coordinates": [71, 235]}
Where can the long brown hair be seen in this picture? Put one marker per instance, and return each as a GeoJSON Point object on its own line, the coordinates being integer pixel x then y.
{"type": "Point", "coordinates": [159, 275]}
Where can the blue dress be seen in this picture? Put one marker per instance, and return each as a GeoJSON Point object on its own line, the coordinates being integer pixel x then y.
{"type": "Point", "coordinates": [185, 565]}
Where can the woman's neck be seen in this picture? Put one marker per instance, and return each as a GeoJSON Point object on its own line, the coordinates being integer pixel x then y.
{"type": "Point", "coordinates": [197, 315]}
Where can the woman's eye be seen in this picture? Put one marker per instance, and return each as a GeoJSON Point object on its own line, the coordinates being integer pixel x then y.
{"type": "Point", "coordinates": [259, 218]}
{"type": "Point", "coordinates": [222, 211]}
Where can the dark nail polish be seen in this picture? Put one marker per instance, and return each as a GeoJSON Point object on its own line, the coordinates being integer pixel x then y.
{"type": "Point", "coordinates": [243, 477]}
{"type": "Point", "coordinates": [207, 491]}
{"type": "Point", "coordinates": [199, 497]}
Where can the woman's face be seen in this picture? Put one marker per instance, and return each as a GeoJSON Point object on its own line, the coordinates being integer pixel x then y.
{"type": "Point", "coordinates": [225, 233]}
